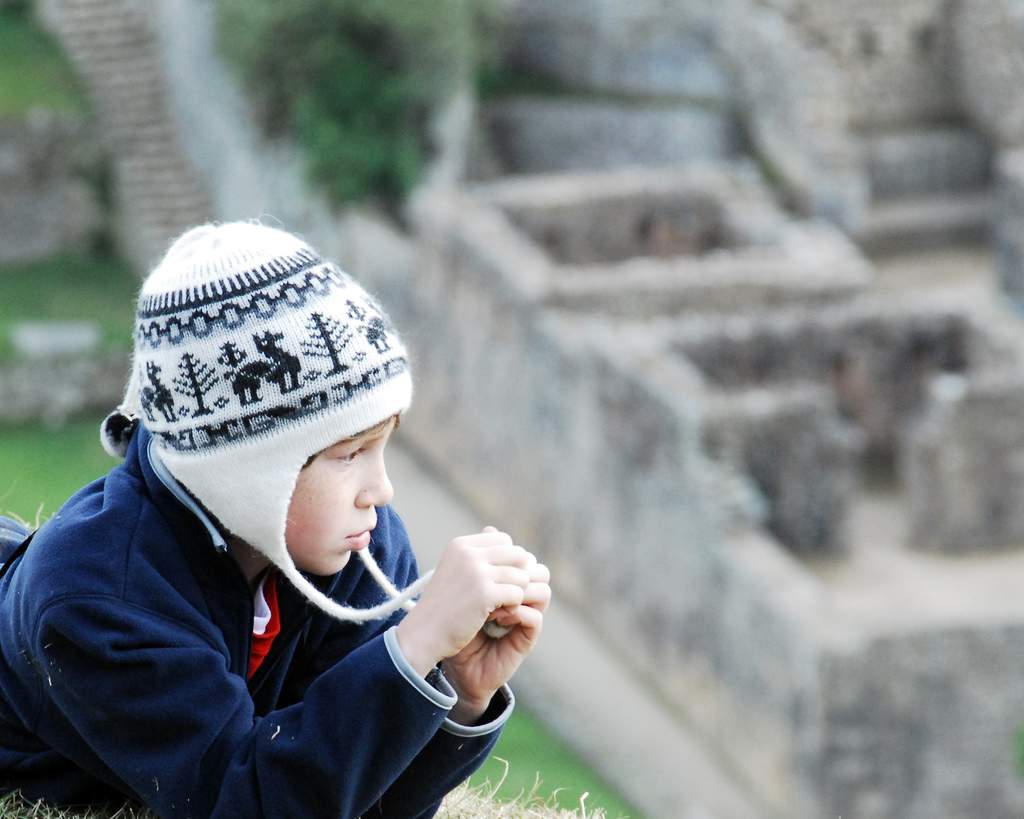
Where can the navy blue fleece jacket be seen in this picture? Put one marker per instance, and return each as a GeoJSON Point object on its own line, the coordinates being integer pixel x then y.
{"type": "Point", "coordinates": [124, 644]}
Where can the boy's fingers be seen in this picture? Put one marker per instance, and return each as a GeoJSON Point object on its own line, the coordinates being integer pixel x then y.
{"type": "Point", "coordinates": [507, 595]}
{"type": "Point", "coordinates": [508, 555]}
{"type": "Point", "coordinates": [491, 538]}
{"type": "Point", "coordinates": [538, 596]}
{"type": "Point", "coordinates": [539, 573]}
{"type": "Point", "coordinates": [530, 619]}
{"type": "Point", "coordinates": [511, 575]}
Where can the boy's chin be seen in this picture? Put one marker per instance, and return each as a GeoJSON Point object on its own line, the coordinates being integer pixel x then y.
{"type": "Point", "coordinates": [326, 566]}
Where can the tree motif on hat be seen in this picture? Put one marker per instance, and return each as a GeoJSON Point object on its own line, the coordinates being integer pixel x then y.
{"type": "Point", "coordinates": [194, 380]}
{"type": "Point", "coordinates": [327, 338]}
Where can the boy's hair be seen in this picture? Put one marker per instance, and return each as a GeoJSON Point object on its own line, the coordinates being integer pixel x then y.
{"type": "Point", "coordinates": [349, 438]}
{"type": "Point", "coordinates": [251, 354]}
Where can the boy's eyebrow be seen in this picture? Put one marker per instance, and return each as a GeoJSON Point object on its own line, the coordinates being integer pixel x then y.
{"type": "Point", "coordinates": [369, 435]}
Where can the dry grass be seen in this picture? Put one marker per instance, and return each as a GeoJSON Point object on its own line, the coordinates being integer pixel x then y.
{"type": "Point", "coordinates": [462, 803]}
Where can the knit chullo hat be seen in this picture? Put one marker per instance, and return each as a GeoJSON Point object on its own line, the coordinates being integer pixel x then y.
{"type": "Point", "coordinates": [252, 354]}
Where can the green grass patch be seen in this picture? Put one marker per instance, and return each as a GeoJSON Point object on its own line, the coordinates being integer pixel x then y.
{"type": "Point", "coordinates": [42, 467]}
{"type": "Point", "coordinates": [70, 287]}
{"type": "Point", "coordinates": [527, 752]}
{"type": "Point", "coordinates": [34, 73]}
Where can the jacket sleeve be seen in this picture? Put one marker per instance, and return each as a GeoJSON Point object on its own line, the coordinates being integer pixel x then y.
{"type": "Point", "coordinates": [454, 751]}
{"type": "Point", "coordinates": [149, 705]}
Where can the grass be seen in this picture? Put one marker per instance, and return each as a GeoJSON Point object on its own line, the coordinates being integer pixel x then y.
{"type": "Point", "coordinates": [476, 802]}
{"type": "Point", "coordinates": [33, 70]}
{"type": "Point", "coordinates": [71, 287]}
{"type": "Point", "coordinates": [40, 468]}
{"type": "Point", "coordinates": [530, 759]}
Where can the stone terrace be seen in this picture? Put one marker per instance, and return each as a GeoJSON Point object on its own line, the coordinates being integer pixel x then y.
{"type": "Point", "coordinates": [845, 680]}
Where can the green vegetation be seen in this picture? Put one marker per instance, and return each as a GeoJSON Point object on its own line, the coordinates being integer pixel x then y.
{"type": "Point", "coordinates": [33, 70]}
{"type": "Point", "coordinates": [40, 468]}
{"type": "Point", "coordinates": [71, 287]}
{"type": "Point", "coordinates": [354, 81]}
{"type": "Point", "coordinates": [530, 759]}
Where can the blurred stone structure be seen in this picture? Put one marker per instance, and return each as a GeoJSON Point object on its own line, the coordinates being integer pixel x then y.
{"type": "Point", "coordinates": [111, 44]}
{"type": "Point", "coordinates": [47, 203]}
{"type": "Point", "coordinates": [618, 84]}
{"type": "Point", "coordinates": [664, 427]}
{"type": "Point", "coordinates": [862, 109]}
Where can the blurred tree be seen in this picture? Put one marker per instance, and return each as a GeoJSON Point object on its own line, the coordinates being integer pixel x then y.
{"type": "Point", "coordinates": [355, 81]}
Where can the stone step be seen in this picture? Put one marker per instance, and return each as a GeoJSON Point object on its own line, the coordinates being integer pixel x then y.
{"type": "Point", "coordinates": [113, 47]}
{"type": "Point", "coordinates": [923, 161]}
{"type": "Point", "coordinates": [104, 38]}
{"type": "Point", "coordinates": [926, 222]}
{"type": "Point", "coordinates": [544, 134]}
{"type": "Point", "coordinates": [104, 68]}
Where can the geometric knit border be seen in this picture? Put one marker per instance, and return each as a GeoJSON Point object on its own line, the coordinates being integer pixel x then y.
{"type": "Point", "coordinates": [175, 326]}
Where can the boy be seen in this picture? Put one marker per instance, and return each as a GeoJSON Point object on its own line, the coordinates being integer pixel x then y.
{"type": "Point", "coordinates": [157, 640]}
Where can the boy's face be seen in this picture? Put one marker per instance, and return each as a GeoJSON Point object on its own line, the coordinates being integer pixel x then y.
{"type": "Point", "coordinates": [332, 508]}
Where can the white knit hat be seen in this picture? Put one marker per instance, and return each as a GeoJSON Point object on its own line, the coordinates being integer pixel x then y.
{"type": "Point", "coordinates": [251, 355]}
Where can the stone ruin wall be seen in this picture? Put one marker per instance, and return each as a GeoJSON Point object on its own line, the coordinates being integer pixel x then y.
{"type": "Point", "coordinates": [47, 202]}
{"type": "Point", "coordinates": [896, 59]}
{"type": "Point", "coordinates": [838, 716]}
{"type": "Point", "coordinates": [990, 62]}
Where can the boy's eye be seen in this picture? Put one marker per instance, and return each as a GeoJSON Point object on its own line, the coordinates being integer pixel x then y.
{"type": "Point", "coordinates": [350, 456]}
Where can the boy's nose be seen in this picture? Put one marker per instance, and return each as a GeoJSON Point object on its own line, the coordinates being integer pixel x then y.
{"type": "Point", "coordinates": [378, 492]}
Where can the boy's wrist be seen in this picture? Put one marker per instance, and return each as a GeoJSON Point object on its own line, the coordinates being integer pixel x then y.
{"type": "Point", "coordinates": [471, 705]}
{"type": "Point", "coordinates": [414, 649]}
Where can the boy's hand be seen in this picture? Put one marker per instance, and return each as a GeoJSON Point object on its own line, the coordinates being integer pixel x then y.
{"type": "Point", "coordinates": [478, 577]}
{"type": "Point", "coordinates": [485, 663]}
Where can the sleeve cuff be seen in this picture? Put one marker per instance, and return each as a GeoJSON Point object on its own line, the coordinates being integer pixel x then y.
{"type": "Point", "coordinates": [496, 715]}
{"type": "Point", "coordinates": [434, 687]}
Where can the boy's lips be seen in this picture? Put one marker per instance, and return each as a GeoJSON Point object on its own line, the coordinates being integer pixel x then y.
{"type": "Point", "coordinates": [358, 540]}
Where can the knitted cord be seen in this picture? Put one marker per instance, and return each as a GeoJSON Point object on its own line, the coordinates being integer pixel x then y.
{"type": "Point", "coordinates": [352, 615]}
{"type": "Point", "coordinates": [382, 579]}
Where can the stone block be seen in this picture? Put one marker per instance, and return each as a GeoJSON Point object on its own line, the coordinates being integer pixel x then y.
{"type": "Point", "coordinates": [550, 134]}
{"type": "Point", "coordinates": [56, 388]}
{"type": "Point", "coordinates": [877, 357]}
{"type": "Point", "coordinates": [47, 339]}
{"type": "Point", "coordinates": [798, 113]}
{"type": "Point", "coordinates": [919, 161]}
{"type": "Point", "coordinates": [641, 48]}
{"type": "Point", "coordinates": [964, 465]}
{"type": "Point", "coordinates": [989, 53]}
{"type": "Point", "coordinates": [46, 203]}
{"type": "Point", "coordinates": [799, 454]}
{"type": "Point", "coordinates": [1008, 225]}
